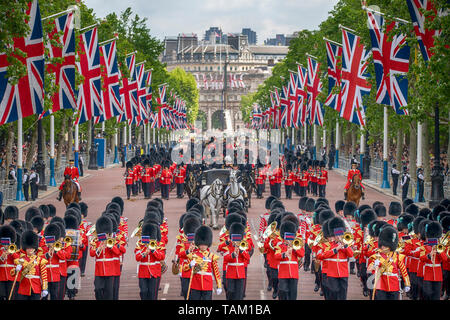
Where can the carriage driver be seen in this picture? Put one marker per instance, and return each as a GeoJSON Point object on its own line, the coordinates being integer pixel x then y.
{"type": "Point", "coordinates": [71, 171]}
{"type": "Point", "coordinates": [353, 171]}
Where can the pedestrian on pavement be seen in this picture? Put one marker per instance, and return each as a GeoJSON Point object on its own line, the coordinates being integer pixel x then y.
{"type": "Point", "coordinates": [34, 181]}
{"type": "Point", "coordinates": [420, 184]}
{"type": "Point", "coordinates": [12, 175]}
{"type": "Point", "coordinates": [395, 174]}
{"type": "Point", "coordinates": [26, 184]}
{"type": "Point", "coordinates": [331, 156]}
{"type": "Point", "coordinates": [81, 164]}
{"type": "Point", "coordinates": [405, 182]}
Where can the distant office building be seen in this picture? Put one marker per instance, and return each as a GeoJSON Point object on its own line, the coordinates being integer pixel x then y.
{"type": "Point", "coordinates": [251, 35]}
{"type": "Point", "coordinates": [279, 40]}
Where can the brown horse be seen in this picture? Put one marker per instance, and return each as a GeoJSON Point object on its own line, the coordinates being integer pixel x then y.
{"type": "Point", "coordinates": [354, 192]}
{"type": "Point", "coordinates": [69, 191]}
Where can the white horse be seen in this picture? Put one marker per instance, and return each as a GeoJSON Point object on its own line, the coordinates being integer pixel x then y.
{"type": "Point", "coordinates": [234, 190]}
{"type": "Point", "coordinates": [211, 198]}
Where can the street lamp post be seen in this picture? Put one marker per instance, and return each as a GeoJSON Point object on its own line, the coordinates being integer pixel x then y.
{"type": "Point", "coordinates": [40, 163]}
{"type": "Point", "coordinates": [366, 159]}
{"type": "Point", "coordinates": [437, 176]}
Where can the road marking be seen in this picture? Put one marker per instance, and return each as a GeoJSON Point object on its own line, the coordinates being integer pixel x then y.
{"type": "Point", "coordinates": [261, 294]}
{"type": "Point", "coordinates": [166, 288]}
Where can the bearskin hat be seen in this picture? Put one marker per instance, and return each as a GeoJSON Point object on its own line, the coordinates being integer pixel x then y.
{"type": "Point", "coordinates": [113, 220]}
{"type": "Point", "coordinates": [395, 208]}
{"type": "Point", "coordinates": [276, 204]}
{"type": "Point", "coordinates": [309, 206]}
{"type": "Point", "coordinates": [32, 212]}
{"type": "Point", "coordinates": [422, 228]}
{"type": "Point", "coordinates": [196, 212]}
{"type": "Point", "coordinates": [302, 203]}
{"type": "Point", "coordinates": [367, 216]}
{"type": "Point", "coordinates": [74, 212]}
{"type": "Point", "coordinates": [322, 200]}
{"type": "Point", "coordinates": [445, 202]}
{"type": "Point", "coordinates": [84, 209]}
{"type": "Point", "coordinates": [200, 208]}
{"type": "Point", "coordinates": [113, 205]}
{"type": "Point", "coordinates": [119, 200]}
{"type": "Point", "coordinates": [191, 202]}
{"type": "Point", "coordinates": [231, 218]}
{"type": "Point", "coordinates": [363, 207]}
{"type": "Point", "coordinates": [335, 223]}
{"type": "Point", "coordinates": [436, 211]}
{"type": "Point", "coordinates": [442, 215]}
{"type": "Point", "coordinates": [424, 212]}
{"type": "Point", "coordinates": [8, 232]}
{"type": "Point", "coordinates": [52, 210]}
{"type": "Point", "coordinates": [17, 226]}
{"type": "Point", "coordinates": [30, 240]}
{"type": "Point", "coordinates": [11, 213]}
{"type": "Point", "coordinates": [52, 230]}
{"type": "Point", "coordinates": [103, 225]}
{"type": "Point", "coordinates": [376, 203]}
{"type": "Point", "coordinates": [58, 219]}
{"type": "Point", "coordinates": [74, 205]}
{"type": "Point", "coordinates": [406, 203]}
{"type": "Point", "coordinates": [416, 223]}
{"type": "Point", "coordinates": [45, 210]}
{"type": "Point", "coordinates": [289, 216]}
{"type": "Point", "coordinates": [433, 230]}
{"type": "Point", "coordinates": [243, 216]}
{"type": "Point", "coordinates": [152, 231]}
{"type": "Point", "coordinates": [71, 222]}
{"type": "Point", "coordinates": [445, 224]}
{"type": "Point", "coordinates": [160, 202]}
{"type": "Point", "coordinates": [325, 215]}
{"type": "Point", "coordinates": [129, 165]}
{"type": "Point", "coordinates": [152, 217]}
{"type": "Point", "coordinates": [237, 228]}
{"type": "Point", "coordinates": [339, 205]}
{"type": "Point", "coordinates": [190, 224]}
{"type": "Point", "coordinates": [404, 220]}
{"type": "Point", "coordinates": [380, 210]}
{"type": "Point", "coordinates": [38, 223]}
{"type": "Point", "coordinates": [412, 209]}
{"type": "Point", "coordinates": [203, 236]}
{"type": "Point", "coordinates": [326, 230]}
{"type": "Point", "coordinates": [289, 227]}
{"type": "Point", "coordinates": [349, 208]}
{"type": "Point", "coordinates": [388, 237]}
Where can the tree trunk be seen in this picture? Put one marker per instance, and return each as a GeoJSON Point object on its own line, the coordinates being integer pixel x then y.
{"type": "Point", "coordinates": [69, 152]}
{"type": "Point", "coordinates": [426, 151]}
{"type": "Point", "coordinates": [32, 148]}
{"type": "Point", "coordinates": [9, 145]}
{"type": "Point", "coordinates": [413, 156]}
{"type": "Point", "coordinates": [61, 135]}
{"type": "Point", "coordinates": [399, 151]}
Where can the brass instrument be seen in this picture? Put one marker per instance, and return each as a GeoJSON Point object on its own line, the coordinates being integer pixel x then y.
{"type": "Point", "coordinates": [445, 239]}
{"type": "Point", "coordinates": [318, 239]}
{"type": "Point", "coordinates": [68, 240]}
{"type": "Point", "coordinates": [152, 244]}
{"type": "Point", "coordinates": [297, 244]}
{"type": "Point", "coordinates": [57, 246]}
{"type": "Point", "coordinates": [348, 239]}
{"type": "Point", "coordinates": [440, 248]}
{"type": "Point", "coordinates": [12, 248]}
{"type": "Point", "coordinates": [91, 231]}
{"type": "Point", "coordinates": [110, 242]}
{"type": "Point", "coordinates": [260, 246]}
{"type": "Point", "coordinates": [137, 231]}
{"type": "Point", "coordinates": [270, 230]}
{"type": "Point", "coordinates": [243, 245]}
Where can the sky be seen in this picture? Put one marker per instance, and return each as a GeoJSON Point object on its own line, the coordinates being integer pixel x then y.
{"type": "Point", "coordinates": [266, 17]}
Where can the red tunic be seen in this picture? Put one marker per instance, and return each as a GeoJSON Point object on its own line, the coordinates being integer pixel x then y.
{"type": "Point", "coordinates": [288, 265]}
{"type": "Point", "coordinates": [389, 279]}
{"type": "Point", "coordinates": [203, 280]}
{"type": "Point", "coordinates": [337, 262]}
{"type": "Point", "coordinates": [235, 268]}
{"type": "Point", "coordinates": [322, 179]}
{"type": "Point", "coordinates": [166, 177]}
{"type": "Point", "coordinates": [149, 262]}
{"type": "Point", "coordinates": [104, 260]}
{"type": "Point", "coordinates": [179, 178]}
{"type": "Point", "coordinates": [6, 264]}
{"type": "Point", "coordinates": [36, 280]}
{"type": "Point", "coordinates": [129, 177]}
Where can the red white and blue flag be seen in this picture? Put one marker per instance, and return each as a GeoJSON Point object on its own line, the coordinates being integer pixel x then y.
{"type": "Point", "coordinates": [64, 34]}
{"type": "Point", "coordinates": [293, 100]}
{"type": "Point", "coordinates": [315, 110]}
{"type": "Point", "coordinates": [90, 93]}
{"type": "Point", "coordinates": [391, 59]}
{"type": "Point", "coordinates": [128, 91]}
{"type": "Point", "coordinates": [141, 94]}
{"type": "Point", "coordinates": [334, 59]}
{"type": "Point", "coordinates": [284, 107]}
{"type": "Point", "coordinates": [27, 96]}
{"type": "Point", "coordinates": [355, 60]}
{"type": "Point", "coordinates": [302, 96]}
{"type": "Point", "coordinates": [162, 101]}
{"type": "Point", "coordinates": [148, 97]}
{"type": "Point", "coordinates": [111, 86]}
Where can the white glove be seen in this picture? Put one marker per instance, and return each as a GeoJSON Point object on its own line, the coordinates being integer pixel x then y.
{"type": "Point", "coordinates": [376, 263]}
{"type": "Point", "coordinates": [219, 291]}
{"type": "Point", "coordinates": [407, 289]}
{"type": "Point", "coordinates": [193, 263]}
{"type": "Point", "coordinates": [44, 293]}
{"type": "Point", "coordinates": [19, 267]}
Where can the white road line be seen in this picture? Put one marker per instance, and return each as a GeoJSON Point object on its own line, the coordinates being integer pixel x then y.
{"type": "Point", "coordinates": [166, 288]}
{"type": "Point", "coordinates": [261, 294]}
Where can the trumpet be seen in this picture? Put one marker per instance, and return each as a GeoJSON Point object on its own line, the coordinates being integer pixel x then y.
{"type": "Point", "coordinates": [243, 245]}
{"type": "Point", "coordinates": [152, 245]}
{"type": "Point", "coordinates": [110, 242]}
{"type": "Point", "coordinates": [297, 244]}
{"type": "Point", "coordinates": [68, 240]}
{"type": "Point", "coordinates": [12, 248]}
{"type": "Point", "coordinates": [270, 230]}
{"type": "Point", "coordinates": [57, 246]}
{"type": "Point", "coordinates": [347, 238]}
{"type": "Point", "coordinates": [440, 248]}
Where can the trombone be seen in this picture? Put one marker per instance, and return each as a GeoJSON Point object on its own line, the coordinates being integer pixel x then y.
{"type": "Point", "coordinates": [270, 230]}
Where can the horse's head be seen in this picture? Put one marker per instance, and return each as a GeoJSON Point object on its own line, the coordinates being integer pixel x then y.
{"type": "Point", "coordinates": [217, 186]}
{"type": "Point", "coordinates": [67, 177]}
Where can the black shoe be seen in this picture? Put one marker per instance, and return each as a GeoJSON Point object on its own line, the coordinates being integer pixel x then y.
{"type": "Point", "coordinates": [358, 274]}
{"type": "Point", "coordinates": [365, 292]}
{"type": "Point", "coordinates": [352, 271]}
{"type": "Point", "coordinates": [306, 268]}
{"type": "Point", "coordinates": [269, 287]}
{"type": "Point", "coordinates": [59, 196]}
{"type": "Point", "coordinates": [316, 288]}
{"type": "Point", "coordinates": [275, 294]}
{"type": "Point", "coordinates": [321, 293]}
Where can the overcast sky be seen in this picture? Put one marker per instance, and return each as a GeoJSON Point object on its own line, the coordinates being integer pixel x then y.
{"type": "Point", "coordinates": [266, 17]}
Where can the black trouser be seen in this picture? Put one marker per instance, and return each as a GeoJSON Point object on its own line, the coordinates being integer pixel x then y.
{"type": "Point", "coordinates": [297, 188]}
{"type": "Point", "coordinates": [157, 184]}
{"type": "Point", "coordinates": [180, 189]}
{"type": "Point", "coordinates": [277, 189]}
{"type": "Point", "coordinates": [405, 191]}
{"type": "Point", "coordinates": [53, 291]}
{"type": "Point", "coordinates": [446, 282]}
{"type": "Point", "coordinates": [324, 285]}
{"type": "Point", "coordinates": [146, 189]}
{"type": "Point", "coordinates": [139, 183]}
{"type": "Point", "coordinates": [420, 288]}
{"type": "Point", "coordinates": [62, 287]}
{"type": "Point", "coordinates": [431, 290]}
{"type": "Point", "coordinates": [386, 295]}
{"type": "Point", "coordinates": [322, 190]}
{"type": "Point", "coordinates": [288, 190]}
{"type": "Point", "coordinates": [200, 294]}
{"type": "Point", "coordinates": [83, 261]}
{"type": "Point", "coordinates": [135, 188]}
{"type": "Point", "coordinates": [274, 278]}
{"type": "Point", "coordinates": [148, 288]}
{"type": "Point", "coordinates": [235, 289]}
{"type": "Point", "coordinates": [314, 188]}
{"type": "Point", "coordinates": [129, 190]}
{"type": "Point", "coordinates": [151, 188]}
{"type": "Point", "coordinates": [363, 274]}
{"type": "Point", "coordinates": [165, 191]}
{"type": "Point", "coordinates": [34, 191]}
{"type": "Point", "coordinates": [259, 190]}
{"type": "Point", "coordinates": [337, 288]}
{"type": "Point", "coordinates": [307, 260]}
{"type": "Point", "coordinates": [302, 191]}
{"type": "Point", "coordinates": [116, 286]}
{"type": "Point", "coordinates": [32, 296]}
{"type": "Point", "coordinates": [288, 289]}
{"type": "Point", "coordinates": [103, 288]}
{"type": "Point", "coordinates": [80, 165]}
{"type": "Point", "coordinates": [5, 289]}
{"type": "Point", "coordinates": [272, 190]}
{"type": "Point", "coordinates": [352, 266]}
{"type": "Point", "coordinates": [184, 286]}
{"type": "Point", "coordinates": [394, 185]}
{"type": "Point", "coordinates": [26, 193]}
{"type": "Point", "coordinates": [414, 290]}
{"type": "Point", "coordinates": [421, 187]}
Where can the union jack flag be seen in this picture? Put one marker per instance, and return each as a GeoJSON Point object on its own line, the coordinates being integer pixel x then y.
{"type": "Point", "coordinates": [90, 93]}
{"type": "Point", "coordinates": [354, 79]}
{"type": "Point", "coordinates": [302, 95]}
{"type": "Point", "coordinates": [334, 58]}
{"type": "Point", "coordinates": [27, 96]}
{"type": "Point", "coordinates": [275, 109]}
{"type": "Point", "coordinates": [64, 33]}
{"type": "Point", "coordinates": [110, 74]}
{"type": "Point", "coordinates": [148, 97]}
{"type": "Point", "coordinates": [162, 101]}
{"type": "Point", "coordinates": [391, 59]}
{"type": "Point", "coordinates": [293, 100]}
{"type": "Point", "coordinates": [141, 94]}
{"type": "Point", "coordinates": [425, 37]}
{"type": "Point", "coordinates": [284, 107]}
{"type": "Point", "coordinates": [315, 109]}
{"type": "Point", "coordinates": [128, 91]}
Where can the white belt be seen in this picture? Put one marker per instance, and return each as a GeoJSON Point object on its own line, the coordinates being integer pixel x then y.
{"type": "Point", "coordinates": [336, 260]}
{"type": "Point", "coordinates": [106, 259]}
{"type": "Point", "coordinates": [148, 263]}
{"type": "Point", "coordinates": [53, 266]}
{"type": "Point", "coordinates": [7, 265]}
{"type": "Point", "coordinates": [432, 265]}
{"type": "Point", "coordinates": [235, 264]}
{"type": "Point", "coordinates": [62, 261]}
{"type": "Point", "coordinates": [288, 262]}
{"type": "Point", "coordinates": [390, 274]}
{"type": "Point", "coordinates": [31, 277]}
{"type": "Point", "coordinates": [204, 273]}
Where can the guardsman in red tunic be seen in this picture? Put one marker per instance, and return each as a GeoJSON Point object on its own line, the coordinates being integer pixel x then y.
{"type": "Point", "coordinates": [204, 265]}
{"type": "Point", "coordinates": [104, 255]}
{"type": "Point", "coordinates": [311, 176]}
{"type": "Point", "coordinates": [71, 171]}
{"type": "Point", "coordinates": [303, 180]}
{"type": "Point", "coordinates": [31, 269]}
{"type": "Point", "coordinates": [445, 222]}
{"type": "Point", "coordinates": [152, 173]}
{"type": "Point", "coordinates": [270, 244]}
{"type": "Point", "coordinates": [353, 171]}
{"type": "Point", "coordinates": [149, 254]}
{"type": "Point", "coordinates": [388, 266]}
{"type": "Point", "coordinates": [166, 180]}
{"type": "Point", "coordinates": [289, 181]}
{"type": "Point", "coordinates": [289, 262]}
{"type": "Point", "coordinates": [259, 181]}
{"type": "Point", "coordinates": [146, 176]}
{"type": "Point", "coordinates": [129, 179]}
{"type": "Point", "coordinates": [53, 252]}
{"type": "Point", "coordinates": [180, 176]}
{"type": "Point", "coordinates": [322, 179]}
{"type": "Point", "coordinates": [8, 254]}
{"type": "Point", "coordinates": [137, 170]}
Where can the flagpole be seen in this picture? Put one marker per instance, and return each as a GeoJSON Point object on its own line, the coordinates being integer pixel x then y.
{"type": "Point", "coordinates": [76, 147]}
{"type": "Point", "coordinates": [385, 183]}
{"type": "Point", "coordinates": [336, 158]}
{"type": "Point", "coordinates": [108, 41]}
{"type": "Point", "coordinates": [116, 158]}
{"type": "Point", "coordinates": [362, 149]}
{"type": "Point", "coordinates": [314, 142]}
{"type": "Point", "coordinates": [382, 14]}
{"type": "Point", "coordinates": [334, 42]}
{"type": "Point", "coordinates": [125, 143]}
{"type": "Point", "coordinates": [59, 13]}
{"type": "Point", "coordinates": [52, 182]}
{"type": "Point", "coordinates": [19, 194]}
{"type": "Point", "coordinates": [88, 28]}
